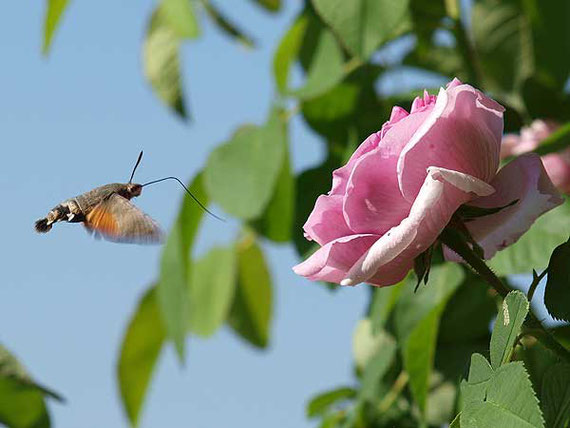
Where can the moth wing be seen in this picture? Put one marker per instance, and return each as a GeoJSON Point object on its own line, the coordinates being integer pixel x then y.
{"type": "Point", "coordinates": [117, 219]}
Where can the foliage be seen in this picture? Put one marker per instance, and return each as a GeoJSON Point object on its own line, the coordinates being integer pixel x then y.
{"type": "Point", "coordinates": [424, 358]}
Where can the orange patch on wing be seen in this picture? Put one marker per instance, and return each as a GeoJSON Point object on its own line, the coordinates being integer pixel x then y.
{"type": "Point", "coordinates": [102, 221]}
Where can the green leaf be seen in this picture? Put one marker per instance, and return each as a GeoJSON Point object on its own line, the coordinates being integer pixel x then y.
{"type": "Point", "coordinates": [181, 18]}
{"type": "Point", "coordinates": [456, 422]}
{"type": "Point", "coordinates": [227, 26]}
{"type": "Point", "coordinates": [468, 313]}
{"type": "Point", "coordinates": [383, 301]}
{"type": "Point", "coordinates": [533, 249]}
{"type": "Point", "coordinates": [555, 396]}
{"type": "Point", "coordinates": [251, 311]}
{"type": "Point", "coordinates": [510, 402]}
{"type": "Point", "coordinates": [140, 350]}
{"type": "Point", "coordinates": [503, 43]}
{"type": "Point", "coordinates": [363, 25]}
{"type": "Point", "coordinates": [270, 5]}
{"type": "Point", "coordinates": [417, 317]}
{"type": "Point", "coordinates": [287, 51]}
{"type": "Point", "coordinates": [376, 367]}
{"type": "Point", "coordinates": [22, 401]}
{"type": "Point", "coordinates": [54, 12]}
{"type": "Point", "coordinates": [212, 287]}
{"type": "Point", "coordinates": [276, 223]}
{"type": "Point", "coordinates": [366, 343]}
{"type": "Point", "coordinates": [161, 62]}
{"type": "Point", "coordinates": [475, 388]}
{"type": "Point", "coordinates": [241, 174]}
{"type": "Point", "coordinates": [320, 404]}
{"type": "Point", "coordinates": [557, 294]}
{"type": "Point", "coordinates": [507, 327]}
{"type": "Point", "coordinates": [172, 289]}
{"type": "Point", "coordinates": [326, 67]}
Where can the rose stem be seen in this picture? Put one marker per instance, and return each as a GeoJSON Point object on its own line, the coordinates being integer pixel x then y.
{"type": "Point", "coordinates": [534, 326]}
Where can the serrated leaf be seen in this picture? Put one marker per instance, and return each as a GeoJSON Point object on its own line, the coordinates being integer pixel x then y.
{"type": "Point", "coordinates": [555, 396]}
{"type": "Point", "coordinates": [320, 404]}
{"type": "Point", "coordinates": [161, 62]}
{"type": "Point", "coordinates": [507, 327]}
{"type": "Point", "coordinates": [181, 18]}
{"type": "Point", "coordinates": [557, 292]}
{"type": "Point", "coordinates": [475, 388]}
{"type": "Point", "coordinates": [227, 26]}
{"type": "Point", "coordinates": [533, 249]}
{"type": "Point", "coordinates": [417, 317]}
{"type": "Point", "coordinates": [252, 308]}
{"type": "Point", "coordinates": [54, 12]}
{"type": "Point", "coordinates": [140, 350]}
{"type": "Point", "coordinates": [510, 402]}
{"type": "Point", "coordinates": [22, 401]}
{"type": "Point", "coordinates": [363, 25]}
{"type": "Point", "coordinates": [172, 289]}
{"type": "Point", "coordinates": [241, 174]}
{"type": "Point", "coordinates": [287, 51]}
{"type": "Point", "coordinates": [211, 287]}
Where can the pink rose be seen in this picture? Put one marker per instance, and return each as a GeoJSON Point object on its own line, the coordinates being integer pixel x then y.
{"type": "Point", "coordinates": [557, 165]}
{"type": "Point", "coordinates": [398, 191]}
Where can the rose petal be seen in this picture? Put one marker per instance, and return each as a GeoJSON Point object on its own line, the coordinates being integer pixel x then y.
{"type": "Point", "coordinates": [526, 180]}
{"type": "Point", "coordinates": [326, 221]}
{"type": "Point", "coordinates": [462, 133]}
{"type": "Point", "coordinates": [332, 261]}
{"type": "Point", "coordinates": [373, 202]}
{"type": "Point", "coordinates": [436, 202]}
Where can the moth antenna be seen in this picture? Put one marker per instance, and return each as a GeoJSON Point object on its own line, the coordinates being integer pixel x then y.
{"type": "Point", "coordinates": [187, 191]}
{"type": "Point", "coordinates": [136, 166]}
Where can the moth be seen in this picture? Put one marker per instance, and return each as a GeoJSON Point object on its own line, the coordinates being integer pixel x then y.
{"type": "Point", "coordinates": [107, 212]}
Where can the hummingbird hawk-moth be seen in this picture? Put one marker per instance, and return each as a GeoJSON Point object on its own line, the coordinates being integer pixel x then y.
{"type": "Point", "coordinates": [107, 211]}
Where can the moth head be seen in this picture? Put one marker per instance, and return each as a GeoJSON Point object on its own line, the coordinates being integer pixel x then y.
{"type": "Point", "coordinates": [134, 189]}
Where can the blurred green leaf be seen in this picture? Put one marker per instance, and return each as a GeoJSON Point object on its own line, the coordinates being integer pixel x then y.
{"type": "Point", "coordinates": [468, 313]}
{"type": "Point", "coordinates": [212, 286]}
{"type": "Point", "coordinates": [326, 68]}
{"type": "Point", "coordinates": [270, 5]}
{"type": "Point", "coordinates": [544, 100]}
{"type": "Point", "coordinates": [181, 18]}
{"type": "Point", "coordinates": [227, 26]}
{"type": "Point", "coordinates": [287, 51]}
{"type": "Point", "coordinates": [276, 223]}
{"type": "Point", "coordinates": [377, 366]}
{"type": "Point", "coordinates": [537, 360]}
{"type": "Point", "coordinates": [509, 402]}
{"type": "Point", "coordinates": [161, 62]}
{"type": "Point", "coordinates": [140, 350]}
{"type": "Point", "coordinates": [366, 343]}
{"type": "Point", "coordinates": [533, 249]}
{"type": "Point", "coordinates": [507, 327]}
{"type": "Point", "coordinates": [22, 401]}
{"type": "Point", "coordinates": [555, 396]}
{"type": "Point", "coordinates": [172, 289]}
{"type": "Point", "coordinates": [557, 293]}
{"type": "Point", "coordinates": [417, 317]}
{"type": "Point", "coordinates": [550, 36]}
{"type": "Point", "coordinates": [251, 311]}
{"type": "Point", "coordinates": [241, 174]}
{"type": "Point", "coordinates": [54, 12]}
{"type": "Point", "coordinates": [383, 301]}
{"type": "Point", "coordinates": [503, 43]}
{"type": "Point", "coordinates": [456, 422]}
{"type": "Point", "coordinates": [363, 25]}
{"type": "Point", "coordinates": [320, 404]}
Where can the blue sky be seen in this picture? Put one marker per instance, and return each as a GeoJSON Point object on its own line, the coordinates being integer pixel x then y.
{"type": "Point", "coordinates": [77, 120]}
